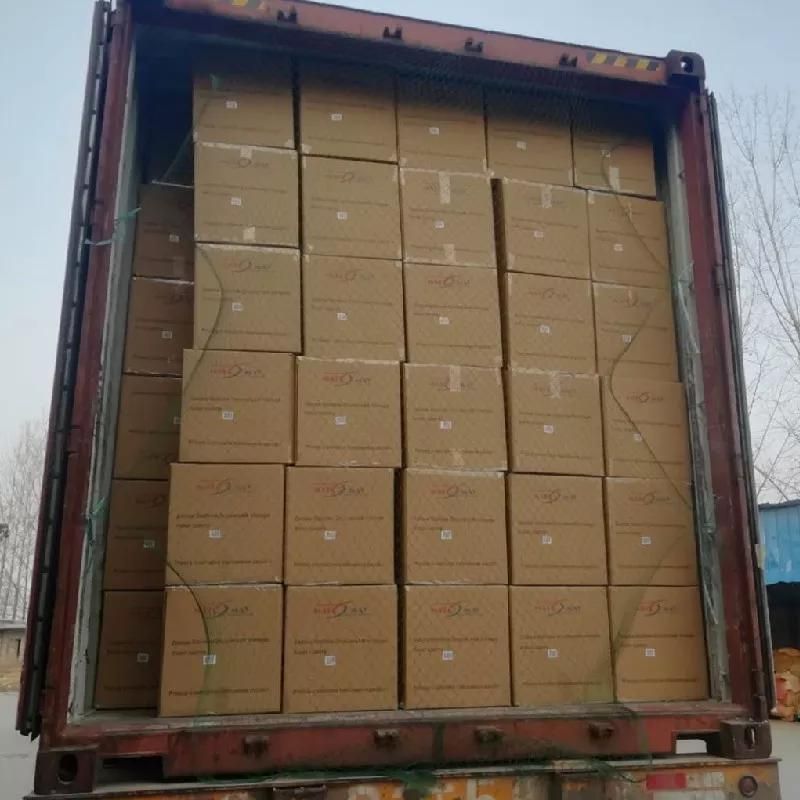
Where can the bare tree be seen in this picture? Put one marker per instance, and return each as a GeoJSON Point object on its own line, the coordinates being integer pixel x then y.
{"type": "Point", "coordinates": [21, 470]}
{"type": "Point", "coordinates": [763, 176]}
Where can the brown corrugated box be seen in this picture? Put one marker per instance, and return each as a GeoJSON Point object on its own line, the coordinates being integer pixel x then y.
{"type": "Point", "coordinates": [549, 323]}
{"type": "Point", "coordinates": [454, 527]}
{"type": "Point", "coordinates": [560, 647]}
{"type": "Point", "coordinates": [454, 417]}
{"type": "Point", "coordinates": [351, 208]}
{"type": "Point", "coordinates": [628, 241]}
{"type": "Point", "coordinates": [129, 654]}
{"type": "Point", "coordinates": [658, 643]}
{"type": "Point", "coordinates": [339, 526]}
{"type": "Point", "coordinates": [452, 316]}
{"type": "Point", "coordinates": [159, 326]}
{"type": "Point", "coordinates": [447, 218]}
{"type": "Point", "coordinates": [136, 535]}
{"type": "Point", "coordinates": [440, 126]}
{"type": "Point", "coordinates": [556, 533]}
{"type": "Point", "coordinates": [225, 524]}
{"type": "Point", "coordinates": [542, 229]}
{"type": "Point", "coordinates": [348, 413]}
{"type": "Point", "coordinates": [237, 407]}
{"type": "Point", "coordinates": [347, 112]}
{"type": "Point", "coordinates": [164, 243]}
{"type": "Point", "coordinates": [244, 102]}
{"type": "Point", "coordinates": [528, 138]}
{"type": "Point", "coordinates": [222, 650]}
{"type": "Point", "coordinates": [635, 332]}
{"type": "Point", "coordinates": [353, 308]}
{"type": "Point", "coordinates": [340, 652]}
{"type": "Point", "coordinates": [645, 429]}
{"type": "Point", "coordinates": [148, 427]}
{"type": "Point", "coordinates": [247, 298]}
{"type": "Point", "coordinates": [245, 195]}
{"type": "Point", "coordinates": [554, 422]}
{"type": "Point", "coordinates": [456, 647]}
{"type": "Point", "coordinates": [651, 539]}
{"type": "Point", "coordinates": [613, 151]}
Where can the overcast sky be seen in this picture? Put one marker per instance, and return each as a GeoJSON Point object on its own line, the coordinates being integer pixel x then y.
{"type": "Point", "coordinates": [747, 45]}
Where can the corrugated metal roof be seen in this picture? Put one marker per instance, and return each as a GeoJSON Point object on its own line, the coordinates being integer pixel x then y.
{"type": "Point", "coordinates": [780, 530]}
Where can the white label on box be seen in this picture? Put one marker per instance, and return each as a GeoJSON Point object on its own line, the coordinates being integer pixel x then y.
{"type": "Point", "coordinates": [227, 415]}
{"type": "Point", "coordinates": [445, 424]}
{"type": "Point", "coordinates": [538, 234]}
{"type": "Point", "coordinates": [341, 215]}
{"type": "Point", "coordinates": [438, 224]}
{"type": "Point", "coordinates": [448, 655]}
{"type": "Point", "coordinates": [209, 659]}
{"type": "Point", "coordinates": [650, 652]}
{"type": "Point", "coordinates": [433, 130]}
{"type": "Point", "coordinates": [176, 420]}
{"type": "Point", "coordinates": [446, 535]}
{"type": "Point", "coordinates": [232, 104]}
{"type": "Point", "coordinates": [547, 538]}
{"type": "Point", "coordinates": [618, 248]}
{"type": "Point", "coordinates": [544, 329]}
{"type": "Point", "coordinates": [627, 338]}
{"type": "Point", "coordinates": [637, 437]}
{"type": "Point", "coordinates": [329, 536]}
{"type": "Point", "coordinates": [142, 658]}
{"type": "Point", "coordinates": [236, 201]}
{"type": "Point", "coordinates": [237, 306]}
{"type": "Point", "coordinates": [336, 117]}
{"type": "Point", "coordinates": [646, 540]}
{"type": "Point", "coordinates": [341, 316]}
{"type": "Point", "coordinates": [329, 661]}
{"type": "Point", "coordinates": [166, 334]}
{"type": "Point", "coordinates": [148, 544]}
{"type": "Point", "coordinates": [444, 320]}
{"type": "Point", "coordinates": [174, 238]}
{"type": "Point", "coordinates": [214, 533]}
{"type": "Point", "coordinates": [552, 652]}
{"type": "Point", "coordinates": [549, 428]}
{"type": "Point", "coordinates": [340, 420]}
{"type": "Point", "coordinates": [522, 145]}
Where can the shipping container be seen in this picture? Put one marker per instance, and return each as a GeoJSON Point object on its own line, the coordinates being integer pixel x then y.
{"type": "Point", "coordinates": [137, 128]}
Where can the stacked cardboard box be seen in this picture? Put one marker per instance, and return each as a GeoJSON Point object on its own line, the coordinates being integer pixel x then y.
{"type": "Point", "coordinates": [398, 300]}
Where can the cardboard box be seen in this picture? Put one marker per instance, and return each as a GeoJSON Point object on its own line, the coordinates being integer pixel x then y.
{"type": "Point", "coordinates": [347, 112]}
{"type": "Point", "coordinates": [651, 538]}
{"type": "Point", "coordinates": [164, 243]}
{"type": "Point", "coordinates": [353, 308]}
{"type": "Point", "coordinates": [341, 648]}
{"type": "Point", "coordinates": [225, 524]}
{"type": "Point", "coordinates": [339, 526]}
{"type": "Point", "coordinates": [129, 654]}
{"type": "Point", "coordinates": [549, 323]}
{"type": "Point", "coordinates": [238, 408]}
{"type": "Point", "coordinates": [159, 326]}
{"type": "Point", "coordinates": [555, 423]}
{"type": "Point", "coordinates": [447, 218]}
{"type": "Point", "coordinates": [222, 650]}
{"type": "Point", "coordinates": [136, 535]}
{"type": "Point", "coordinates": [245, 195]}
{"type": "Point", "coordinates": [542, 229]}
{"type": "Point", "coordinates": [148, 427]}
{"type": "Point", "coordinates": [246, 102]}
{"type": "Point", "coordinates": [556, 532]}
{"type": "Point", "coordinates": [348, 413]}
{"type": "Point", "coordinates": [528, 138]}
{"type": "Point", "coordinates": [658, 643]}
{"type": "Point", "coordinates": [613, 151]}
{"type": "Point", "coordinates": [454, 527]}
{"type": "Point", "coordinates": [454, 417]}
{"type": "Point", "coordinates": [452, 316]}
{"type": "Point", "coordinates": [628, 241]}
{"type": "Point", "coordinates": [247, 298]}
{"type": "Point", "coordinates": [635, 332]}
{"type": "Point", "coordinates": [440, 125]}
{"type": "Point", "coordinates": [645, 429]}
{"type": "Point", "coordinates": [456, 647]}
{"type": "Point", "coordinates": [560, 645]}
{"type": "Point", "coordinates": [351, 208]}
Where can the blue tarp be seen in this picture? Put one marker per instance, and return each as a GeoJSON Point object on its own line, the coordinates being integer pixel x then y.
{"type": "Point", "coordinates": [780, 530]}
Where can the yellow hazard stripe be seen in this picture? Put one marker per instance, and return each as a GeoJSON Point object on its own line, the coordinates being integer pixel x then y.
{"type": "Point", "coordinates": [626, 62]}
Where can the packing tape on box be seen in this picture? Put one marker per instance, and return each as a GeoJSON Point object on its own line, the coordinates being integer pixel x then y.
{"type": "Point", "coordinates": [449, 253]}
{"type": "Point", "coordinates": [454, 378]}
{"type": "Point", "coordinates": [613, 178]}
{"type": "Point", "coordinates": [249, 234]}
{"type": "Point", "coordinates": [547, 197]}
{"type": "Point", "coordinates": [444, 189]}
{"type": "Point", "coordinates": [458, 458]}
{"type": "Point", "coordinates": [555, 385]}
